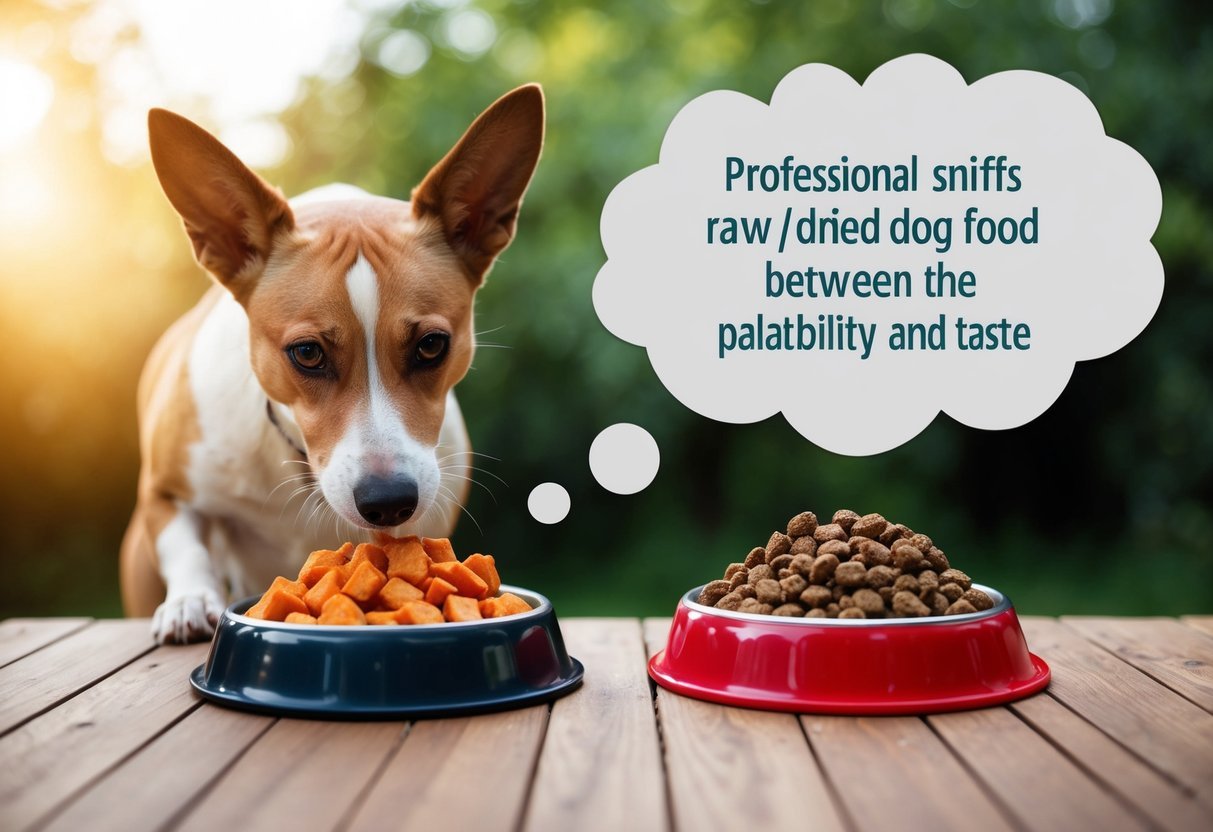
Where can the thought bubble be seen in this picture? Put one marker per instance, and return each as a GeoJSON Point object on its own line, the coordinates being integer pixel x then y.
{"type": "Point", "coordinates": [861, 257]}
{"type": "Point", "coordinates": [549, 503]}
{"type": "Point", "coordinates": [624, 458]}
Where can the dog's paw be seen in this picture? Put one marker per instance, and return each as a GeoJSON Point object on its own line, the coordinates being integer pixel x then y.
{"type": "Point", "coordinates": [185, 618]}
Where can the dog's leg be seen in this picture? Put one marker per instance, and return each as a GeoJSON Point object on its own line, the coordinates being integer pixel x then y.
{"type": "Point", "coordinates": [171, 535]}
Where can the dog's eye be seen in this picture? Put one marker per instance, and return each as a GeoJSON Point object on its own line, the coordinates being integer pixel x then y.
{"type": "Point", "coordinates": [431, 349]}
{"type": "Point", "coordinates": [307, 356]}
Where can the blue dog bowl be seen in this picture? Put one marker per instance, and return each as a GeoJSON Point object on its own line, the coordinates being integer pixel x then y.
{"type": "Point", "coordinates": [386, 671]}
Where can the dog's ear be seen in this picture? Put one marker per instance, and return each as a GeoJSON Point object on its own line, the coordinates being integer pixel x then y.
{"type": "Point", "coordinates": [231, 214]}
{"type": "Point", "coordinates": [476, 189]}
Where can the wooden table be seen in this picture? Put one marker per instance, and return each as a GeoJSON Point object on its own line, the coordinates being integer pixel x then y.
{"type": "Point", "coordinates": [99, 730]}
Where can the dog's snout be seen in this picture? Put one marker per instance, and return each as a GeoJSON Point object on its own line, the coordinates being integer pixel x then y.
{"type": "Point", "coordinates": [386, 501]}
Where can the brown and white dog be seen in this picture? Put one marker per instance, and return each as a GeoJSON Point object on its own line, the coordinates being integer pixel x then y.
{"type": "Point", "coordinates": [321, 364]}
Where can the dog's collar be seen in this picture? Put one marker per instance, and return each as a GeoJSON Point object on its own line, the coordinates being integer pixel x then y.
{"type": "Point", "coordinates": [269, 411]}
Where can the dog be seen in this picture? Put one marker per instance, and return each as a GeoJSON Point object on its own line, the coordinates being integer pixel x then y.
{"type": "Point", "coordinates": [321, 363]}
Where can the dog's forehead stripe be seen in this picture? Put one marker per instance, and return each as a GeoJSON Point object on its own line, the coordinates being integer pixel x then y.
{"type": "Point", "coordinates": [362, 284]}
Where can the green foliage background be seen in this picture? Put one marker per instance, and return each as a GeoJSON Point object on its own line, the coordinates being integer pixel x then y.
{"type": "Point", "coordinates": [1103, 504]}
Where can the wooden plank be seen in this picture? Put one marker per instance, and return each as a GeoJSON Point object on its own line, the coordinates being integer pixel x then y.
{"type": "Point", "coordinates": [1031, 779]}
{"type": "Point", "coordinates": [167, 775]}
{"type": "Point", "coordinates": [734, 768]}
{"type": "Point", "coordinates": [22, 636]}
{"type": "Point", "coordinates": [890, 771]}
{"type": "Point", "coordinates": [299, 773]}
{"type": "Point", "coordinates": [51, 757]}
{"type": "Point", "coordinates": [1200, 622]}
{"type": "Point", "coordinates": [1123, 773]}
{"type": "Point", "coordinates": [31, 685]}
{"type": "Point", "coordinates": [466, 773]}
{"type": "Point", "coordinates": [1180, 657]}
{"type": "Point", "coordinates": [1159, 725]}
{"type": "Point", "coordinates": [599, 773]}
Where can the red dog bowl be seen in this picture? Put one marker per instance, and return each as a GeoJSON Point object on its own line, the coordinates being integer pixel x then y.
{"type": "Point", "coordinates": [849, 666]}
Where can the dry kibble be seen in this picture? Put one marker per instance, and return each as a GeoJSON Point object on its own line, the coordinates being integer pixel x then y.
{"type": "Point", "coordinates": [978, 599]}
{"type": "Point", "coordinates": [760, 573]}
{"type": "Point", "coordinates": [853, 567]}
{"type": "Point", "coordinates": [879, 576]}
{"type": "Point", "coordinates": [870, 602]}
{"type": "Point", "coordinates": [851, 574]}
{"type": "Point", "coordinates": [952, 592]}
{"type": "Point", "coordinates": [960, 607]}
{"type": "Point", "coordinates": [955, 576]}
{"type": "Point", "coordinates": [870, 525]}
{"type": "Point", "coordinates": [935, 600]}
{"type": "Point", "coordinates": [908, 559]}
{"type": "Point", "coordinates": [816, 596]}
{"type": "Point", "coordinates": [779, 544]}
{"type": "Point", "coordinates": [729, 602]}
{"type": "Point", "coordinates": [802, 524]}
{"type": "Point", "coordinates": [823, 569]}
{"type": "Point", "coordinates": [768, 591]}
{"type": "Point", "coordinates": [876, 553]}
{"type": "Point", "coordinates": [753, 605]}
{"type": "Point", "coordinates": [830, 531]}
{"type": "Point", "coordinates": [804, 546]}
{"type": "Point", "coordinates": [908, 605]}
{"type": "Point", "coordinates": [713, 592]}
{"type": "Point", "coordinates": [794, 584]}
{"type": "Point", "coordinates": [845, 518]}
{"type": "Point", "coordinates": [802, 564]}
{"type": "Point", "coordinates": [837, 548]}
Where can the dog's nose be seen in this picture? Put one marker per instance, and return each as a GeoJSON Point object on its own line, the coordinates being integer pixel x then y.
{"type": "Point", "coordinates": [386, 501]}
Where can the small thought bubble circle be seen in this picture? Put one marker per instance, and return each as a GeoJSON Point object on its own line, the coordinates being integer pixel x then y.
{"type": "Point", "coordinates": [549, 503]}
{"type": "Point", "coordinates": [624, 458]}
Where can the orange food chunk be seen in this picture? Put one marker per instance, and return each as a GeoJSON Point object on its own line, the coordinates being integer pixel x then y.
{"type": "Point", "coordinates": [460, 608]}
{"type": "Point", "coordinates": [505, 604]}
{"type": "Point", "coordinates": [465, 580]}
{"type": "Point", "coordinates": [396, 591]}
{"type": "Point", "coordinates": [419, 612]}
{"type": "Point", "coordinates": [341, 610]}
{"type": "Point", "coordinates": [325, 588]}
{"type": "Point", "coordinates": [300, 618]}
{"type": "Point", "coordinates": [365, 582]}
{"type": "Point", "coordinates": [381, 618]}
{"type": "Point", "coordinates": [438, 592]}
{"type": "Point", "coordinates": [321, 561]}
{"type": "Point", "coordinates": [276, 604]}
{"type": "Point", "coordinates": [406, 559]}
{"type": "Point", "coordinates": [439, 549]}
{"type": "Point", "coordinates": [369, 552]}
{"type": "Point", "coordinates": [486, 568]}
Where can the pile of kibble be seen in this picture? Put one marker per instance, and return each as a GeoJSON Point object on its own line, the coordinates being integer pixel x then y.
{"type": "Point", "coordinates": [851, 567]}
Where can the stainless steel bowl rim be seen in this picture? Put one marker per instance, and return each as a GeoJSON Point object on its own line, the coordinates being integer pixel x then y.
{"type": "Point", "coordinates": [1001, 604]}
